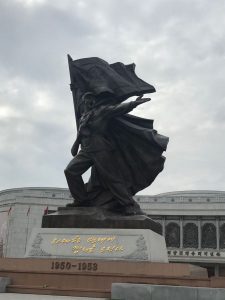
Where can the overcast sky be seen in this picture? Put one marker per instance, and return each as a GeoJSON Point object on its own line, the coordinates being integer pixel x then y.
{"type": "Point", "coordinates": [178, 46]}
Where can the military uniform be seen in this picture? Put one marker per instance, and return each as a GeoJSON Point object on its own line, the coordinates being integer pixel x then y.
{"type": "Point", "coordinates": [97, 149]}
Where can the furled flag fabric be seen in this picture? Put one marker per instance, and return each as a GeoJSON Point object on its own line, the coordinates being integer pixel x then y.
{"type": "Point", "coordinates": [46, 211]}
{"type": "Point", "coordinates": [9, 211]}
{"type": "Point", "coordinates": [28, 211]}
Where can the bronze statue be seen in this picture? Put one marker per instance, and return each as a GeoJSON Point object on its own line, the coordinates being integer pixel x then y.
{"type": "Point", "coordinates": [123, 151]}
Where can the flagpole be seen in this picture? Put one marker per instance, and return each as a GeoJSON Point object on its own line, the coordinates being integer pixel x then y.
{"type": "Point", "coordinates": [27, 229]}
{"type": "Point", "coordinates": [70, 61]}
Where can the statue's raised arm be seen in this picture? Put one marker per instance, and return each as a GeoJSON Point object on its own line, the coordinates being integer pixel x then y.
{"type": "Point", "coordinates": [123, 108]}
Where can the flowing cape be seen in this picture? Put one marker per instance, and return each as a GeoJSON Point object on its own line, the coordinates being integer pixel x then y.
{"type": "Point", "coordinates": [138, 155]}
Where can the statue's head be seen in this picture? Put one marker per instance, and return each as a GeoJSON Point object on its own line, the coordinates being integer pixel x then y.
{"type": "Point", "coordinates": [89, 100]}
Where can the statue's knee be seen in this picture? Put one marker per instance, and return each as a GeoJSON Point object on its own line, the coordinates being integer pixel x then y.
{"type": "Point", "coordinates": [72, 171]}
{"type": "Point", "coordinates": [67, 170]}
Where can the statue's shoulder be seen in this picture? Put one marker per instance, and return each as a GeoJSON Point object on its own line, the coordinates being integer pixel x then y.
{"type": "Point", "coordinates": [103, 111]}
{"type": "Point", "coordinates": [100, 109]}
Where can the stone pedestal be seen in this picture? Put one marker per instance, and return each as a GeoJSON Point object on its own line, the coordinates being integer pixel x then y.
{"type": "Point", "coordinates": [94, 278]}
{"type": "Point", "coordinates": [105, 244]}
{"type": "Point", "coordinates": [96, 217]}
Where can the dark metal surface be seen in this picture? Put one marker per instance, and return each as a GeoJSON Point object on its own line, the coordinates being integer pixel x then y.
{"type": "Point", "coordinates": [124, 152]}
{"type": "Point", "coordinates": [94, 217]}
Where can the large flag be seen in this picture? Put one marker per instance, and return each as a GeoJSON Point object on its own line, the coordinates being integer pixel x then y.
{"type": "Point", "coordinates": [113, 83]}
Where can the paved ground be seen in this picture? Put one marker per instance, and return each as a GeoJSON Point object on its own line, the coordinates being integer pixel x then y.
{"type": "Point", "coordinates": [9, 296]}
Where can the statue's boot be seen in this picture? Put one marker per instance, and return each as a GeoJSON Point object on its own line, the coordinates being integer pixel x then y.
{"type": "Point", "coordinates": [133, 209]}
{"type": "Point", "coordinates": [78, 204]}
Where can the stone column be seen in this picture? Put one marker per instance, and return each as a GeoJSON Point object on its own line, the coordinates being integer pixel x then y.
{"type": "Point", "coordinates": [164, 226]}
{"type": "Point", "coordinates": [199, 233]}
{"type": "Point", "coordinates": [217, 272]}
{"type": "Point", "coordinates": [217, 234]}
{"type": "Point", "coordinates": [181, 232]}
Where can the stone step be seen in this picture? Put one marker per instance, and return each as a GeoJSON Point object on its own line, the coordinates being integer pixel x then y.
{"type": "Point", "coordinates": [94, 278]}
{"type": "Point", "coordinates": [13, 296]}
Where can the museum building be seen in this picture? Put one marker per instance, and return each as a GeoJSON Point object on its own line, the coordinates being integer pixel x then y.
{"type": "Point", "coordinates": [193, 222]}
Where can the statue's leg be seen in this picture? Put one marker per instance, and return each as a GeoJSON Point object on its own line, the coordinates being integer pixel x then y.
{"type": "Point", "coordinates": [73, 172]}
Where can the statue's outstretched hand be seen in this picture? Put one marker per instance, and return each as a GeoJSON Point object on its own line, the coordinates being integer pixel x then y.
{"type": "Point", "coordinates": [141, 100]}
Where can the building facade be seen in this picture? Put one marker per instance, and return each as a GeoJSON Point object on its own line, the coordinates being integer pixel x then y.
{"type": "Point", "coordinates": [193, 222]}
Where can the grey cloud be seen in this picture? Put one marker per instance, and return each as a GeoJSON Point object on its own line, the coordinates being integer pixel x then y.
{"type": "Point", "coordinates": [35, 41]}
{"type": "Point", "coordinates": [178, 46]}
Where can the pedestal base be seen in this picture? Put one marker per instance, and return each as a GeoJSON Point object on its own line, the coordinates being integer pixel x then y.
{"type": "Point", "coordinates": [59, 277]}
{"type": "Point", "coordinates": [90, 243]}
{"type": "Point", "coordinates": [96, 217]}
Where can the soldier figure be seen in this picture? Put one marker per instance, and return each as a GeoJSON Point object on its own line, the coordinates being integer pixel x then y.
{"type": "Point", "coordinates": [123, 151]}
{"type": "Point", "coordinates": [97, 149]}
